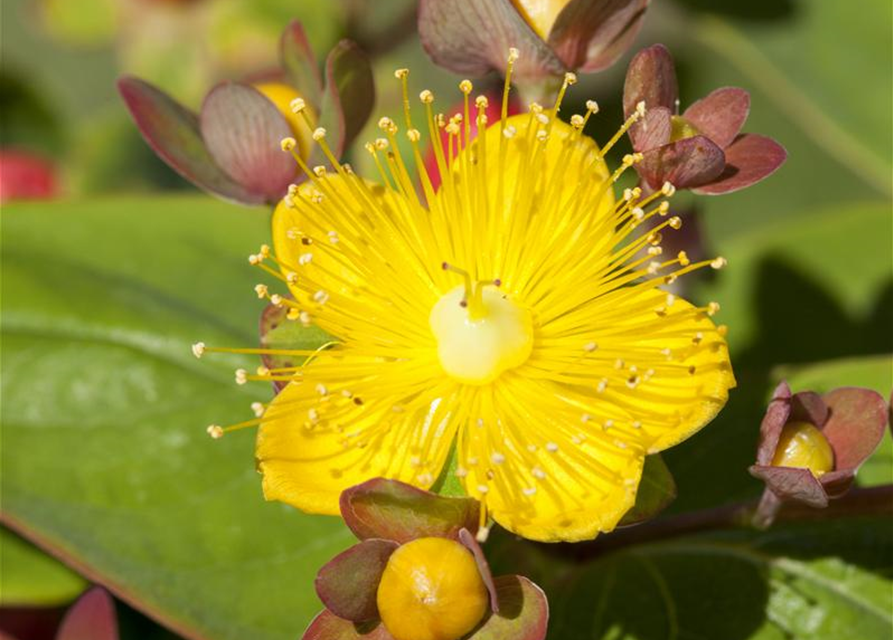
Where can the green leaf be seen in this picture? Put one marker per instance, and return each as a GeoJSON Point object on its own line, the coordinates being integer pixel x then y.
{"type": "Point", "coordinates": [33, 579]}
{"type": "Point", "coordinates": [804, 289]}
{"type": "Point", "coordinates": [657, 490]}
{"type": "Point", "coordinates": [278, 332]}
{"type": "Point", "coordinates": [107, 408]}
{"type": "Point", "coordinates": [812, 582]}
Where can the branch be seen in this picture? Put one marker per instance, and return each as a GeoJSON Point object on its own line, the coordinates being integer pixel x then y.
{"type": "Point", "coordinates": [858, 502]}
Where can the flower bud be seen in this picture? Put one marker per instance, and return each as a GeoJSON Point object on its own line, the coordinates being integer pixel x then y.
{"type": "Point", "coordinates": [540, 14]}
{"type": "Point", "coordinates": [431, 589]}
{"type": "Point", "coordinates": [802, 445]}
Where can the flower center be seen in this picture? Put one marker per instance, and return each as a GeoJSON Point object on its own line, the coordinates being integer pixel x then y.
{"type": "Point", "coordinates": [480, 332]}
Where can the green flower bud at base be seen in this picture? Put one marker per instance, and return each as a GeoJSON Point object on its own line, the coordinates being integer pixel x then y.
{"type": "Point", "coordinates": [803, 445]}
{"type": "Point", "coordinates": [431, 589]}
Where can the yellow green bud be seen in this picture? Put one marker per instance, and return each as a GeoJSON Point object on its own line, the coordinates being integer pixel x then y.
{"type": "Point", "coordinates": [802, 445]}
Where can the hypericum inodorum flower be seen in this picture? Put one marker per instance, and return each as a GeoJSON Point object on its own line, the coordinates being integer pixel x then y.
{"type": "Point", "coordinates": [702, 149]}
{"type": "Point", "coordinates": [471, 36]}
{"type": "Point", "coordinates": [517, 318]}
{"type": "Point", "coordinates": [231, 148]}
{"type": "Point", "coordinates": [812, 445]}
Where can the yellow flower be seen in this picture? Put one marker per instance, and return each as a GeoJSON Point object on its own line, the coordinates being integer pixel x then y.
{"type": "Point", "coordinates": [517, 317]}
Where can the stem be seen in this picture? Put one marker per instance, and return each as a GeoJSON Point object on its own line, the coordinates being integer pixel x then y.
{"type": "Point", "coordinates": [858, 502]}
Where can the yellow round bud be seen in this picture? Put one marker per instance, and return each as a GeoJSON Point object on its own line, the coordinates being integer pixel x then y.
{"type": "Point", "coordinates": [431, 589]}
{"type": "Point", "coordinates": [803, 445]}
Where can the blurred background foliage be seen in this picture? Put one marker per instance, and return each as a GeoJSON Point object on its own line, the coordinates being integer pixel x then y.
{"type": "Point", "coordinates": [105, 463]}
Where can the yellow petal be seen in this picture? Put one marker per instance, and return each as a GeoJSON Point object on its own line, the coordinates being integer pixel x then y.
{"type": "Point", "coordinates": [547, 199]}
{"type": "Point", "coordinates": [560, 452]}
{"type": "Point", "coordinates": [540, 475]}
{"type": "Point", "coordinates": [354, 277]}
{"type": "Point", "coordinates": [352, 418]}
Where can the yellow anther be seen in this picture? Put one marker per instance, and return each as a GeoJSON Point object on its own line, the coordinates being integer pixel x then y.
{"type": "Point", "coordinates": [288, 144]}
{"type": "Point", "coordinates": [261, 291]}
{"type": "Point", "coordinates": [426, 96]}
{"type": "Point", "coordinates": [466, 87]}
{"type": "Point", "coordinates": [668, 189]}
{"type": "Point", "coordinates": [577, 121]}
{"type": "Point", "coordinates": [683, 259]}
{"type": "Point", "coordinates": [570, 78]}
{"type": "Point", "coordinates": [513, 55]}
{"type": "Point", "coordinates": [481, 102]}
{"type": "Point", "coordinates": [319, 171]}
{"type": "Point", "coordinates": [712, 308]}
{"type": "Point", "coordinates": [640, 109]}
{"type": "Point", "coordinates": [198, 349]}
{"type": "Point", "coordinates": [675, 222]}
{"type": "Point", "coordinates": [592, 106]}
{"type": "Point", "coordinates": [400, 74]}
{"type": "Point", "coordinates": [215, 431]}
{"type": "Point", "coordinates": [719, 262]}
{"type": "Point", "coordinates": [381, 144]}
{"type": "Point", "coordinates": [387, 125]}
{"type": "Point", "coordinates": [297, 105]}
{"type": "Point", "coordinates": [319, 133]}
{"type": "Point", "coordinates": [414, 135]}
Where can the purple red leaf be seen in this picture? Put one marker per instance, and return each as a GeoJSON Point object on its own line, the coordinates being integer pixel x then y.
{"type": "Point", "coordinates": [473, 37]}
{"type": "Point", "coordinates": [348, 584]}
{"type": "Point", "coordinates": [243, 131]}
{"type": "Point", "coordinates": [92, 617]}
{"type": "Point", "coordinates": [173, 132]}
{"type": "Point", "coordinates": [392, 510]}
{"type": "Point", "coordinates": [749, 159]}
{"type": "Point", "coordinates": [720, 115]}
{"type": "Point", "coordinates": [590, 35]}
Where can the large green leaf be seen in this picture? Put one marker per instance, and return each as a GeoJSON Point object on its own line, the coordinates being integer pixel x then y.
{"type": "Point", "coordinates": [105, 459]}
{"type": "Point", "coordinates": [809, 582]}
